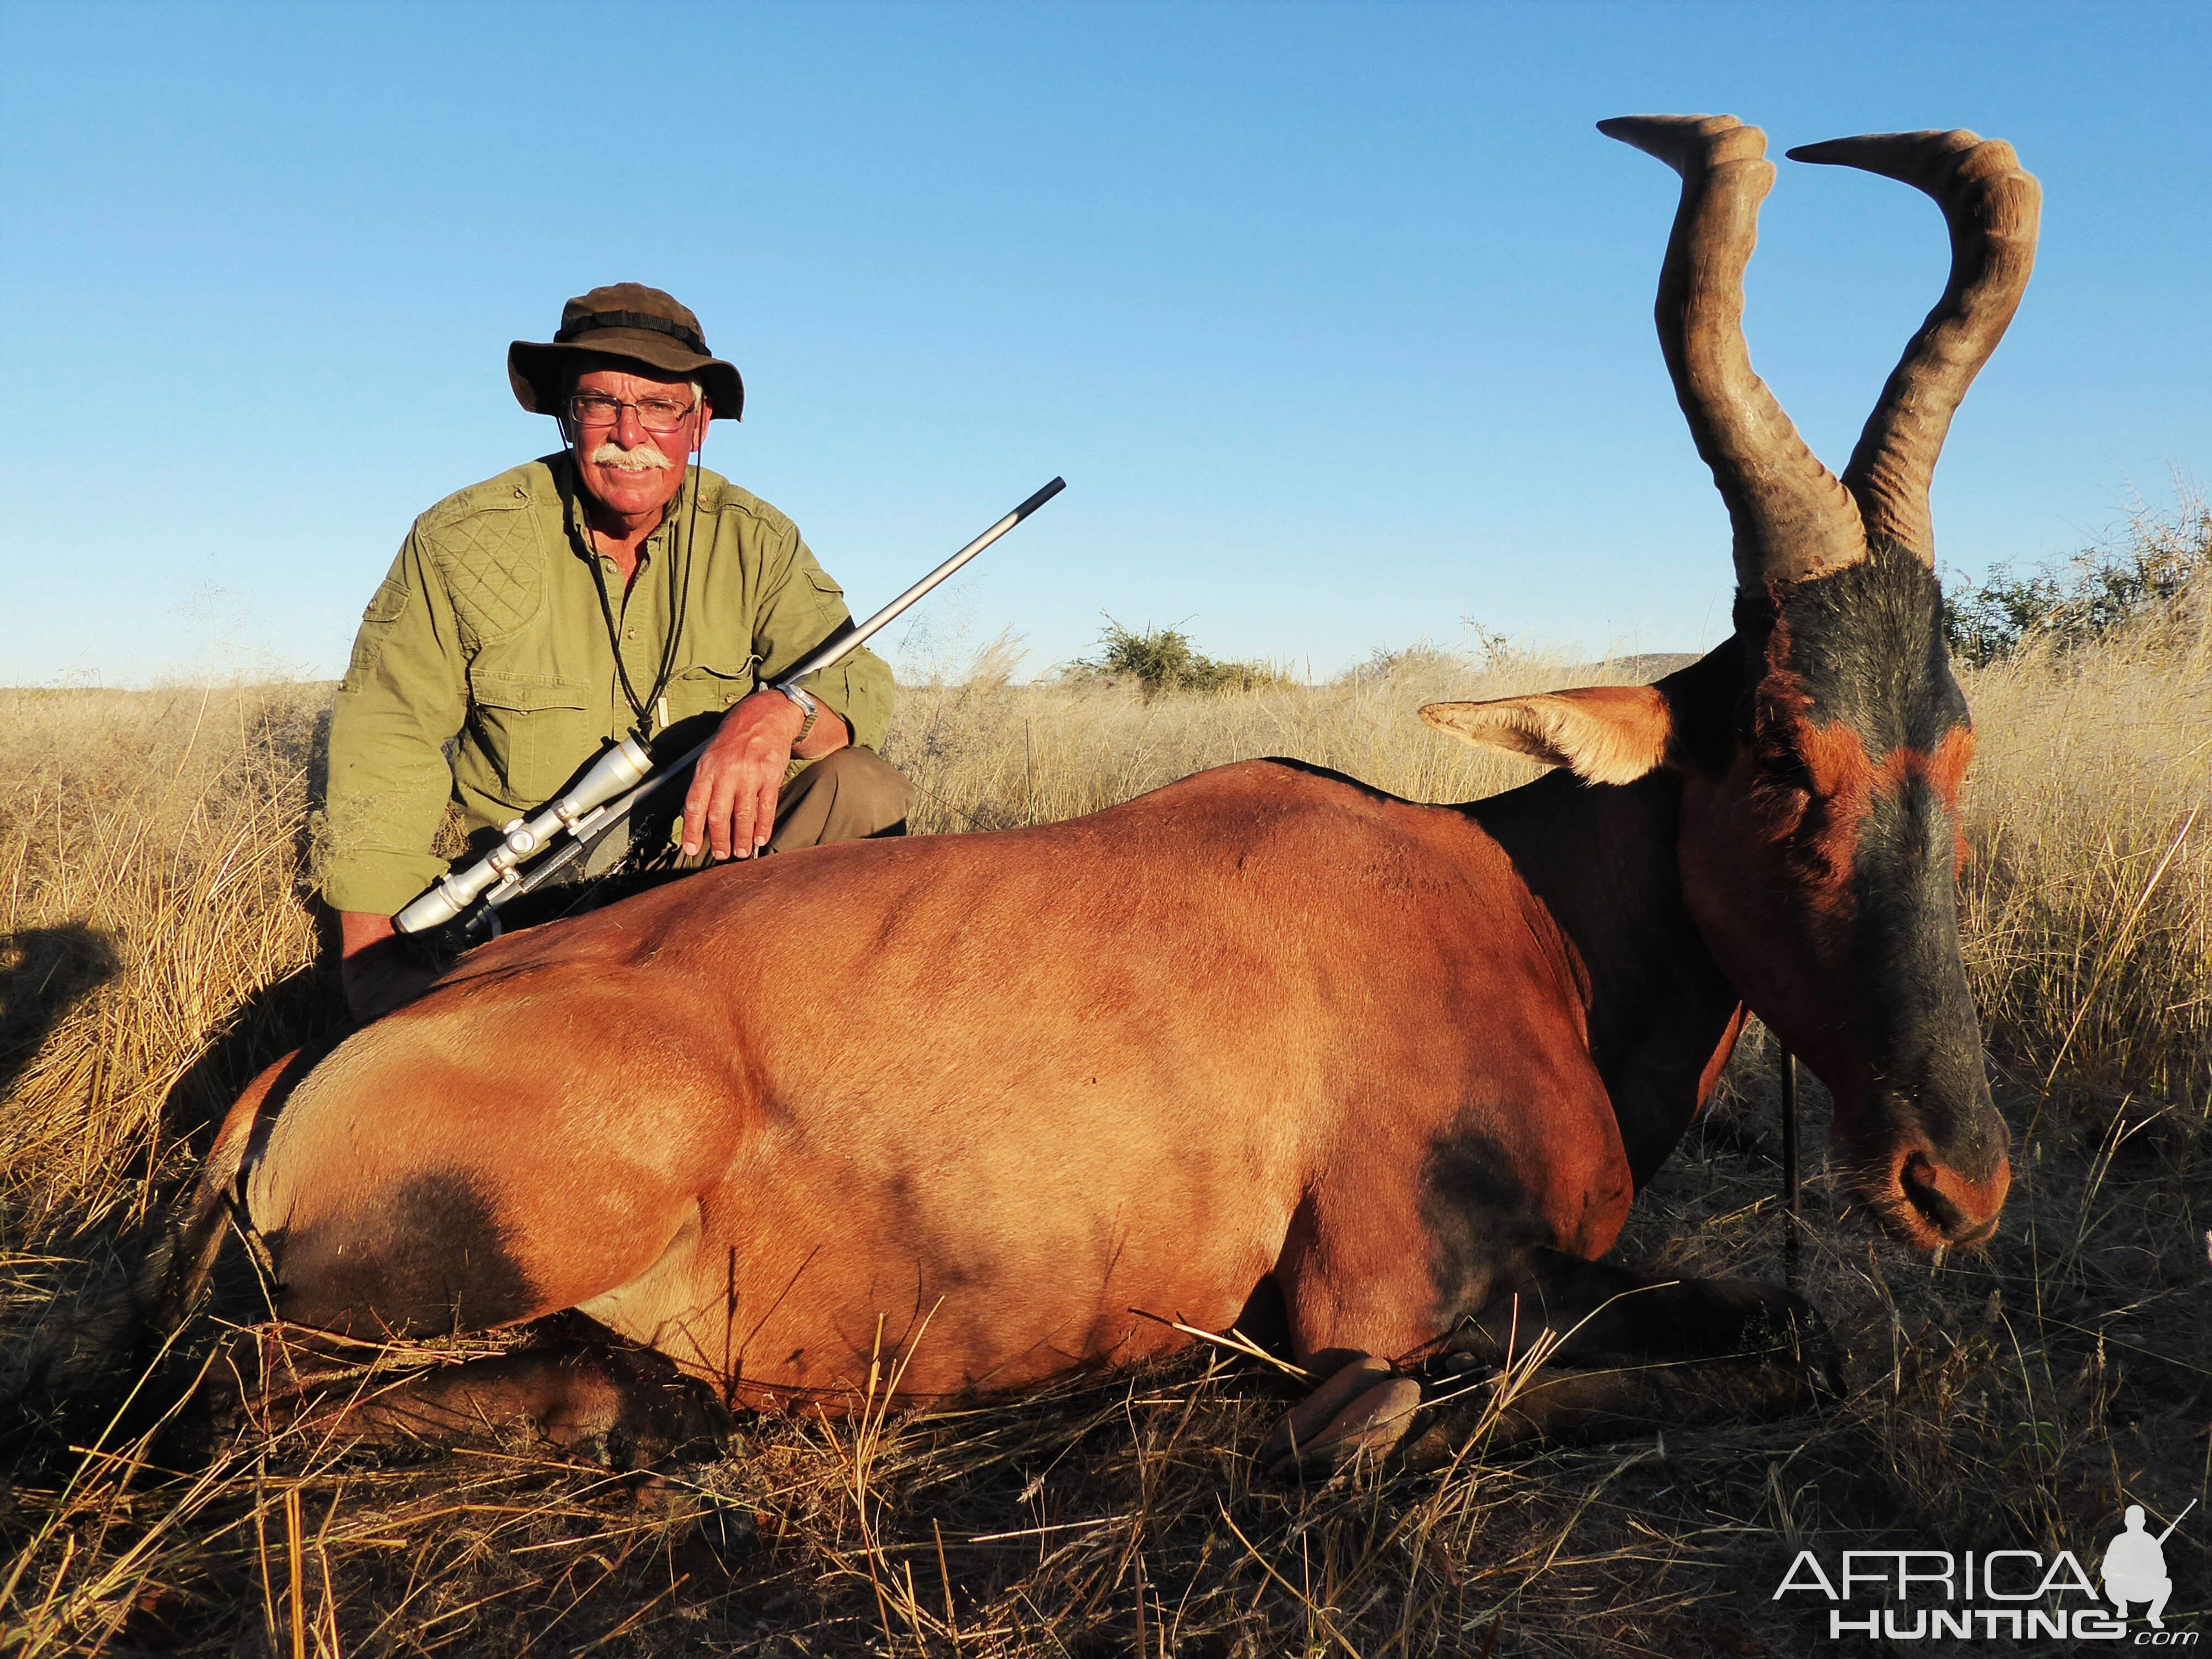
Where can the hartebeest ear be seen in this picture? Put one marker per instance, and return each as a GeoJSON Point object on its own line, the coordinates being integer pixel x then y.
{"type": "Point", "coordinates": [1606, 733]}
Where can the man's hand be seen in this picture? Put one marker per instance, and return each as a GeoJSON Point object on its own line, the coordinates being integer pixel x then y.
{"type": "Point", "coordinates": [378, 974]}
{"type": "Point", "coordinates": [731, 810]}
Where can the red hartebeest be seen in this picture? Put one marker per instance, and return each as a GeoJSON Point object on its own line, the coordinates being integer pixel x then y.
{"type": "Point", "coordinates": [1410, 1064]}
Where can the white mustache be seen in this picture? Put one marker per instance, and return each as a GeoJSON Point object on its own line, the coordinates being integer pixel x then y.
{"type": "Point", "coordinates": [644, 459]}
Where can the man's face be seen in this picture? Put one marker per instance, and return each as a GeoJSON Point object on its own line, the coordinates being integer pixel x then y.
{"type": "Point", "coordinates": [629, 470]}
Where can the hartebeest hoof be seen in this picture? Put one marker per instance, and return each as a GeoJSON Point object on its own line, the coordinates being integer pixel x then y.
{"type": "Point", "coordinates": [1312, 1414]}
{"type": "Point", "coordinates": [1366, 1406]}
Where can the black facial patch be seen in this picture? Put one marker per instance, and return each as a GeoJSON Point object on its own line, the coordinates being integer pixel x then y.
{"type": "Point", "coordinates": [1902, 894]}
{"type": "Point", "coordinates": [1865, 648]}
{"type": "Point", "coordinates": [1919, 1013]}
{"type": "Point", "coordinates": [429, 1257]}
{"type": "Point", "coordinates": [1479, 1218]}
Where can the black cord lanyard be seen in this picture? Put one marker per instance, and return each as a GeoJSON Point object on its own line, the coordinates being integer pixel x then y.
{"type": "Point", "coordinates": [680, 603]}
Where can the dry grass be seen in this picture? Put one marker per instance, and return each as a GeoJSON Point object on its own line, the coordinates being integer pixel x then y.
{"type": "Point", "coordinates": [155, 950]}
{"type": "Point", "coordinates": [2092, 888]}
{"type": "Point", "coordinates": [987, 753]}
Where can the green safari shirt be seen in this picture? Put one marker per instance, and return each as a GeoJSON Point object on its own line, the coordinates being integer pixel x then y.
{"type": "Point", "coordinates": [488, 636]}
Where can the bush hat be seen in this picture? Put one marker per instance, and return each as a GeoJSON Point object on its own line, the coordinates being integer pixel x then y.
{"type": "Point", "coordinates": [625, 319]}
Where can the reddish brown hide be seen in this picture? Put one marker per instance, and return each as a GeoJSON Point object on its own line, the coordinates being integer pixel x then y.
{"type": "Point", "coordinates": [1033, 1116]}
{"type": "Point", "coordinates": [979, 1103]}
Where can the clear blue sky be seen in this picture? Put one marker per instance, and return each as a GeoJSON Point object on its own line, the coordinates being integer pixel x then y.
{"type": "Point", "coordinates": [1335, 318]}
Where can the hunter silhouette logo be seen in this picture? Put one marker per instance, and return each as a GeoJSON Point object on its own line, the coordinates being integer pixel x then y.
{"type": "Point", "coordinates": [2135, 1567]}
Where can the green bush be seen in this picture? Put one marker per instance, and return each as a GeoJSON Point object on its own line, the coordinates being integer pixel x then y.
{"type": "Point", "coordinates": [2155, 572]}
{"type": "Point", "coordinates": [1163, 659]}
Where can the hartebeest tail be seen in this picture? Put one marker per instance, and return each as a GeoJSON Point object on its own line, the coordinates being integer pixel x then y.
{"type": "Point", "coordinates": [1262, 1033]}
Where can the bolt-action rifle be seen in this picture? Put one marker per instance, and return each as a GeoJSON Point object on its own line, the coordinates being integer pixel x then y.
{"type": "Point", "coordinates": [622, 779]}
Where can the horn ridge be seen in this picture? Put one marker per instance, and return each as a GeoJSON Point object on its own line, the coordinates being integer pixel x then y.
{"type": "Point", "coordinates": [1792, 519]}
{"type": "Point", "coordinates": [1992, 207]}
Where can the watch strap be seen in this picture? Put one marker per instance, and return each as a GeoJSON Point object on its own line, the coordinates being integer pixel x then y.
{"type": "Point", "coordinates": [807, 706]}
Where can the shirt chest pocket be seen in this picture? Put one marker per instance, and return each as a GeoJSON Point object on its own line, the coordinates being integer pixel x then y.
{"type": "Point", "coordinates": [533, 733]}
{"type": "Point", "coordinates": [705, 689]}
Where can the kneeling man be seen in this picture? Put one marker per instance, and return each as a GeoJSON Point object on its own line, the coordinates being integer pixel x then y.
{"type": "Point", "coordinates": [612, 587]}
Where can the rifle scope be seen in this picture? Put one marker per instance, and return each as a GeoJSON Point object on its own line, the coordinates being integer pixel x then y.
{"type": "Point", "coordinates": [622, 768]}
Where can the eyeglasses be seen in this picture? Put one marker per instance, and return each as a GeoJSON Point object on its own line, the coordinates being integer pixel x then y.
{"type": "Point", "coordinates": [653, 414]}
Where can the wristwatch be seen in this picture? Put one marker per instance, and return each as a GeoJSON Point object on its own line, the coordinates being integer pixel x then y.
{"type": "Point", "coordinates": [807, 706]}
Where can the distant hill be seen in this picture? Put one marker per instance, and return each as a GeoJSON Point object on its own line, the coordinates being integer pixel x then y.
{"type": "Point", "coordinates": [1640, 670]}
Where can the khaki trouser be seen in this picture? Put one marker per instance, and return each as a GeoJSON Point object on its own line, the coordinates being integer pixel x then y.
{"type": "Point", "coordinates": [849, 794]}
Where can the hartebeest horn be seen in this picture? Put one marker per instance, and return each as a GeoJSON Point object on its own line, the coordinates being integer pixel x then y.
{"type": "Point", "coordinates": [1992, 208]}
{"type": "Point", "coordinates": [1792, 519]}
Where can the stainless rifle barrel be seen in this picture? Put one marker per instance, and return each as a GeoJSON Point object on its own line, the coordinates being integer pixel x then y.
{"type": "Point", "coordinates": [834, 651]}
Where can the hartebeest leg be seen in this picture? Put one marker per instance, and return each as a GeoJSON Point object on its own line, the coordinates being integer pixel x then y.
{"type": "Point", "coordinates": [1662, 1353]}
{"type": "Point", "coordinates": [599, 1401]}
{"type": "Point", "coordinates": [1592, 1310]}
{"type": "Point", "coordinates": [1563, 1404]}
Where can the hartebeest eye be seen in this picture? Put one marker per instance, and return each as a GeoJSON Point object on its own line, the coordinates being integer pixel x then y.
{"type": "Point", "coordinates": [1782, 786]}
{"type": "Point", "coordinates": [1781, 767]}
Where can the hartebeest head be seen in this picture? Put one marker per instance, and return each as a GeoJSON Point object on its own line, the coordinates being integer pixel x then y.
{"type": "Point", "coordinates": [1820, 780]}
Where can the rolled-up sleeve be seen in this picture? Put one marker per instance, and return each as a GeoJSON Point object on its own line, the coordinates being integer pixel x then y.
{"type": "Point", "coordinates": [799, 608]}
{"type": "Point", "coordinates": [404, 697]}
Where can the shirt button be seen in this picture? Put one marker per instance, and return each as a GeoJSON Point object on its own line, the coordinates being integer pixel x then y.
{"type": "Point", "coordinates": [630, 634]}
